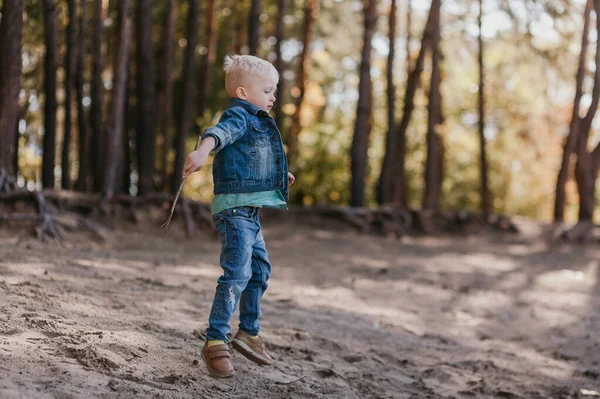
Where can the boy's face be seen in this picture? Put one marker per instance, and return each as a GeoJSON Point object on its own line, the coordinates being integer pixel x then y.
{"type": "Point", "coordinates": [259, 91]}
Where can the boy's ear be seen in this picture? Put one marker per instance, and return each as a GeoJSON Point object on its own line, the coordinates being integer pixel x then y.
{"type": "Point", "coordinates": [240, 92]}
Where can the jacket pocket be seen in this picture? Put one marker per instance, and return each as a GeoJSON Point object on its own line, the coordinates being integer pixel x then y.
{"type": "Point", "coordinates": [260, 134]}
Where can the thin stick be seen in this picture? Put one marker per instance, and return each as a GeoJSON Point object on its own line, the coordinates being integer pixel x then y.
{"type": "Point", "coordinates": [291, 382]}
{"type": "Point", "coordinates": [168, 222]}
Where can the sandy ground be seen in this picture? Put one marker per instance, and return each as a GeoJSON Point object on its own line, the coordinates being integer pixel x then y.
{"type": "Point", "coordinates": [346, 316]}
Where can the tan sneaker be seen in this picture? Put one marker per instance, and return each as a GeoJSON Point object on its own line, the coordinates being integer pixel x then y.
{"type": "Point", "coordinates": [253, 349]}
{"type": "Point", "coordinates": [217, 361]}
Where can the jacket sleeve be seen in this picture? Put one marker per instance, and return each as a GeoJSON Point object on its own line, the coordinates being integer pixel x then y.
{"type": "Point", "coordinates": [232, 125]}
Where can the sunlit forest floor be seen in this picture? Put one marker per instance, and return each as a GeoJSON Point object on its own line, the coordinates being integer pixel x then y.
{"type": "Point", "coordinates": [492, 315]}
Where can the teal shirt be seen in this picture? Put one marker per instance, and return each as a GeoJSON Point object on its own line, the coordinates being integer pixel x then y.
{"type": "Point", "coordinates": [261, 199]}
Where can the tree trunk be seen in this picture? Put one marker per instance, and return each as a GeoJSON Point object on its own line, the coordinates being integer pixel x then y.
{"type": "Point", "coordinates": [146, 132]}
{"type": "Point", "coordinates": [570, 144]}
{"type": "Point", "coordinates": [362, 127]}
{"type": "Point", "coordinates": [585, 175]}
{"type": "Point", "coordinates": [483, 166]}
{"type": "Point", "coordinates": [441, 144]}
{"type": "Point", "coordinates": [586, 167]}
{"type": "Point", "coordinates": [11, 33]}
{"type": "Point", "coordinates": [281, 9]}
{"type": "Point", "coordinates": [408, 35]}
{"type": "Point", "coordinates": [17, 134]}
{"type": "Point", "coordinates": [165, 87]}
{"type": "Point", "coordinates": [253, 27]}
{"type": "Point", "coordinates": [130, 122]}
{"type": "Point", "coordinates": [189, 86]}
{"type": "Point", "coordinates": [115, 127]}
{"type": "Point", "coordinates": [84, 137]}
{"type": "Point", "coordinates": [66, 179]}
{"type": "Point", "coordinates": [304, 62]}
{"type": "Point", "coordinates": [239, 31]}
{"type": "Point", "coordinates": [384, 193]}
{"type": "Point", "coordinates": [434, 146]}
{"type": "Point", "coordinates": [97, 90]}
{"type": "Point", "coordinates": [50, 105]}
{"type": "Point", "coordinates": [209, 60]}
{"type": "Point", "coordinates": [399, 185]}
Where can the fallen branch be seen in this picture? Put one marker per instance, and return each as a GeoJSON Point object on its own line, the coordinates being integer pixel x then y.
{"type": "Point", "coordinates": [290, 382]}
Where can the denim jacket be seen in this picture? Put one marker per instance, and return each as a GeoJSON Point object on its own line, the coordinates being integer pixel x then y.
{"type": "Point", "coordinates": [249, 155]}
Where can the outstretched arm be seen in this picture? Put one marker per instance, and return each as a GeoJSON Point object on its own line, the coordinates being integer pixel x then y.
{"type": "Point", "coordinates": [196, 160]}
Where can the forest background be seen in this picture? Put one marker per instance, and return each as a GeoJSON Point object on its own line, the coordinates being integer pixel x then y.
{"type": "Point", "coordinates": [333, 103]}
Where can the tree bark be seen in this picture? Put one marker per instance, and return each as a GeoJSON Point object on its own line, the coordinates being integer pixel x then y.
{"type": "Point", "coordinates": [433, 164]}
{"type": "Point", "coordinates": [84, 137]}
{"type": "Point", "coordinates": [408, 35]}
{"type": "Point", "coordinates": [189, 87]}
{"type": "Point", "coordinates": [570, 145]}
{"type": "Point", "coordinates": [279, 26]}
{"type": "Point", "coordinates": [398, 187]}
{"type": "Point", "coordinates": [586, 167]}
{"type": "Point", "coordinates": [130, 123]}
{"type": "Point", "coordinates": [239, 32]}
{"type": "Point", "coordinates": [66, 147]}
{"type": "Point", "coordinates": [303, 67]}
{"type": "Point", "coordinates": [115, 127]}
{"type": "Point", "coordinates": [253, 26]}
{"type": "Point", "coordinates": [11, 34]}
{"type": "Point", "coordinates": [50, 105]}
{"type": "Point", "coordinates": [165, 87]}
{"type": "Point", "coordinates": [384, 193]}
{"type": "Point", "coordinates": [585, 175]}
{"type": "Point", "coordinates": [146, 96]}
{"type": "Point", "coordinates": [362, 127]}
{"type": "Point", "coordinates": [97, 90]}
{"type": "Point", "coordinates": [17, 134]}
{"type": "Point", "coordinates": [209, 60]}
{"type": "Point", "coordinates": [483, 166]}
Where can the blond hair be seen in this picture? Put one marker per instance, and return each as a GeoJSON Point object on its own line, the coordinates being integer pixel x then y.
{"type": "Point", "coordinates": [238, 67]}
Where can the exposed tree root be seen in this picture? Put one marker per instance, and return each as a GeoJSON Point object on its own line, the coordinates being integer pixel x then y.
{"type": "Point", "coordinates": [57, 210]}
{"type": "Point", "coordinates": [582, 232]}
{"type": "Point", "coordinates": [48, 226]}
{"type": "Point", "coordinates": [50, 219]}
{"type": "Point", "coordinates": [187, 213]}
{"type": "Point", "coordinates": [385, 220]}
{"type": "Point", "coordinates": [397, 221]}
{"type": "Point", "coordinates": [7, 183]}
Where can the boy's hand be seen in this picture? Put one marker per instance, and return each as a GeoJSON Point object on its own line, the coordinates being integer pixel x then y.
{"type": "Point", "coordinates": [193, 162]}
{"type": "Point", "coordinates": [291, 179]}
{"type": "Point", "coordinates": [196, 160]}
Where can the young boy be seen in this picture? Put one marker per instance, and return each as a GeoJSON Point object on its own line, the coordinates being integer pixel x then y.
{"type": "Point", "coordinates": [250, 171]}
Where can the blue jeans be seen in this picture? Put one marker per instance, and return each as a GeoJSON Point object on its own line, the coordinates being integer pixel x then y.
{"type": "Point", "coordinates": [246, 270]}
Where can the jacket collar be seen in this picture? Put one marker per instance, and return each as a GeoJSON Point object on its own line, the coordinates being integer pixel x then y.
{"type": "Point", "coordinates": [247, 106]}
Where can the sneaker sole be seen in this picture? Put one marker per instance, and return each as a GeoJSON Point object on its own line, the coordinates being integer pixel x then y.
{"type": "Point", "coordinates": [214, 372]}
{"type": "Point", "coordinates": [245, 350]}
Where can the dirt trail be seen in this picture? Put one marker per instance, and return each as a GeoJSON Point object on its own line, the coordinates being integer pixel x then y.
{"type": "Point", "coordinates": [346, 316]}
